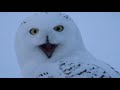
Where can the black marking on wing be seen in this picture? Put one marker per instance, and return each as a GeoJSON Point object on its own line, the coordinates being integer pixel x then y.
{"type": "Point", "coordinates": [114, 69]}
{"type": "Point", "coordinates": [82, 72]}
{"type": "Point", "coordinates": [90, 70]}
{"type": "Point", "coordinates": [44, 75]}
{"type": "Point", "coordinates": [102, 76]}
{"type": "Point", "coordinates": [24, 22]}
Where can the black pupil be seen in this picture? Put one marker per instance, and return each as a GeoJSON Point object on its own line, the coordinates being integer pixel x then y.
{"type": "Point", "coordinates": [35, 31]}
{"type": "Point", "coordinates": [58, 28]}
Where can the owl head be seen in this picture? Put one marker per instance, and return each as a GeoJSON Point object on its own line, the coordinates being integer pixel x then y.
{"type": "Point", "coordinates": [47, 37]}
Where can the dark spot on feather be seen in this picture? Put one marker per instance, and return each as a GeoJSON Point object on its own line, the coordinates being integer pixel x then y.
{"type": "Point", "coordinates": [82, 72]}
{"type": "Point", "coordinates": [88, 72]}
{"type": "Point", "coordinates": [112, 67]}
{"type": "Point", "coordinates": [70, 68]}
{"type": "Point", "coordinates": [93, 68]}
{"type": "Point", "coordinates": [65, 70]}
{"type": "Point", "coordinates": [68, 73]}
{"type": "Point", "coordinates": [41, 75]}
{"type": "Point", "coordinates": [24, 22]}
{"type": "Point", "coordinates": [102, 76]}
{"type": "Point", "coordinates": [104, 72]}
{"type": "Point", "coordinates": [71, 63]}
{"type": "Point", "coordinates": [79, 64]}
{"type": "Point", "coordinates": [72, 75]}
{"type": "Point", "coordinates": [116, 71]}
{"type": "Point", "coordinates": [62, 64]}
{"type": "Point", "coordinates": [95, 74]}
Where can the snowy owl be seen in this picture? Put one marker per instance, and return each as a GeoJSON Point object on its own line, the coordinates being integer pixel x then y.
{"type": "Point", "coordinates": [49, 45]}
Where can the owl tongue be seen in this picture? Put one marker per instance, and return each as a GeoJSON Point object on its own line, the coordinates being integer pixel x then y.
{"type": "Point", "coordinates": [48, 49]}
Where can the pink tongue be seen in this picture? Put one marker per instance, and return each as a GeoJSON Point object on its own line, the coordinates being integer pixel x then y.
{"type": "Point", "coordinates": [49, 48]}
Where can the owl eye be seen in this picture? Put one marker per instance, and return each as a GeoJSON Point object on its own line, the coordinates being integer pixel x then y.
{"type": "Point", "coordinates": [59, 28]}
{"type": "Point", "coordinates": [34, 31]}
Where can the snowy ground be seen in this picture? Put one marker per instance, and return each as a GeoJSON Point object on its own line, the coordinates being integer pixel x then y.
{"type": "Point", "coordinates": [100, 32]}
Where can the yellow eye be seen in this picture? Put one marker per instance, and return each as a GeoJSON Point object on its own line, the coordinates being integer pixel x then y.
{"type": "Point", "coordinates": [34, 31]}
{"type": "Point", "coordinates": [59, 28]}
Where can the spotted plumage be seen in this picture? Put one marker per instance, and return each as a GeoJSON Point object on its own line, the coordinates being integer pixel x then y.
{"type": "Point", "coordinates": [80, 70]}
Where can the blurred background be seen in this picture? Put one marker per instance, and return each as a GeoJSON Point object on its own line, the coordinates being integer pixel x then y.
{"type": "Point", "coordinates": [100, 32]}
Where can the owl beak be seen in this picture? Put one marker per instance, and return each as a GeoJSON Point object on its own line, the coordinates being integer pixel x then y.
{"type": "Point", "coordinates": [48, 48]}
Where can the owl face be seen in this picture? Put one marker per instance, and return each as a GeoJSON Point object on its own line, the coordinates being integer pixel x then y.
{"type": "Point", "coordinates": [48, 35]}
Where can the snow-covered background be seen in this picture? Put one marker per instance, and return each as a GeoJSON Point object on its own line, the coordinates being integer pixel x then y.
{"type": "Point", "coordinates": [100, 32]}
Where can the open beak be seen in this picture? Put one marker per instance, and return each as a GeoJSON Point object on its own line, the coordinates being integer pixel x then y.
{"type": "Point", "coordinates": [48, 48]}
